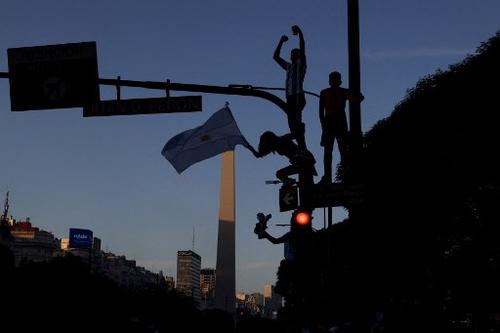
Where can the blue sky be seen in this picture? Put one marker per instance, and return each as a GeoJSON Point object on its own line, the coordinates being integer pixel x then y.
{"type": "Point", "coordinates": [108, 175]}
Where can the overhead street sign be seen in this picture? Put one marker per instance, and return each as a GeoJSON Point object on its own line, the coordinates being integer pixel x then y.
{"type": "Point", "coordinates": [143, 106]}
{"type": "Point", "coordinates": [337, 194]}
{"type": "Point", "coordinates": [289, 199]}
{"type": "Point", "coordinates": [53, 76]}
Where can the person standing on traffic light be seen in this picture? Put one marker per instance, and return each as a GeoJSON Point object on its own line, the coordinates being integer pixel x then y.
{"type": "Point", "coordinates": [333, 120]}
{"type": "Point", "coordinates": [295, 73]}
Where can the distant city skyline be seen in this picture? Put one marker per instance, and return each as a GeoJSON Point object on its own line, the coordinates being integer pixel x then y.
{"type": "Point", "coordinates": [108, 175]}
{"type": "Point", "coordinates": [30, 244]}
{"type": "Point", "coordinates": [208, 272]}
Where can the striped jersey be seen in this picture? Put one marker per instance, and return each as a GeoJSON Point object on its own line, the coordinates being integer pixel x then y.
{"type": "Point", "coordinates": [295, 73]}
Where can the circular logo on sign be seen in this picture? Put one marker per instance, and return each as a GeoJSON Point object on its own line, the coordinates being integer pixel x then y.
{"type": "Point", "coordinates": [54, 88]}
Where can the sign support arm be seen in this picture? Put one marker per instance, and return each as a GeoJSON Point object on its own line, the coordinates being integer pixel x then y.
{"type": "Point", "coordinates": [196, 88]}
{"type": "Point", "coordinates": [167, 86]}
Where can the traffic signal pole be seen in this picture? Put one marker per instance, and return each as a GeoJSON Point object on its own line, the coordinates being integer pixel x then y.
{"type": "Point", "coordinates": [167, 86]}
{"type": "Point", "coordinates": [356, 135]}
{"type": "Point", "coordinates": [355, 132]}
{"type": "Point", "coordinates": [354, 84]}
{"type": "Point", "coordinates": [239, 90]}
{"type": "Point", "coordinates": [353, 174]}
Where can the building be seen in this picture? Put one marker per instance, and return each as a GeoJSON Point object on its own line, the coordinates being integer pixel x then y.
{"type": "Point", "coordinates": [64, 244]}
{"type": "Point", "coordinates": [188, 274]}
{"type": "Point", "coordinates": [255, 303]}
{"type": "Point", "coordinates": [126, 272]}
{"type": "Point", "coordinates": [117, 268]}
{"type": "Point", "coordinates": [249, 304]}
{"type": "Point", "coordinates": [169, 280]}
{"type": "Point", "coordinates": [96, 245]}
{"type": "Point", "coordinates": [268, 291]}
{"type": "Point", "coordinates": [207, 287]}
{"type": "Point", "coordinates": [272, 302]}
{"type": "Point", "coordinates": [258, 299]}
{"type": "Point", "coordinates": [83, 253]}
{"type": "Point", "coordinates": [240, 296]}
{"type": "Point", "coordinates": [240, 303]}
{"type": "Point", "coordinates": [30, 244]}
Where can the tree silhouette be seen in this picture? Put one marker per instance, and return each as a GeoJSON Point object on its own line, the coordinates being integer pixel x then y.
{"type": "Point", "coordinates": [62, 295]}
{"type": "Point", "coordinates": [427, 251]}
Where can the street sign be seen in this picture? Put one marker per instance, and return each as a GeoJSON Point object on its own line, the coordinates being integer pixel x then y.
{"type": "Point", "coordinates": [143, 106]}
{"type": "Point", "coordinates": [53, 76]}
{"type": "Point", "coordinates": [289, 198]}
{"type": "Point", "coordinates": [337, 194]}
{"type": "Point", "coordinates": [80, 238]}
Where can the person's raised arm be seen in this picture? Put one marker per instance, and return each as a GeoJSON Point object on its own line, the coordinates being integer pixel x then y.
{"type": "Point", "coordinates": [254, 152]}
{"type": "Point", "coordinates": [275, 240]}
{"type": "Point", "coordinates": [302, 44]}
{"type": "Point", "coordinates": [277, 51]}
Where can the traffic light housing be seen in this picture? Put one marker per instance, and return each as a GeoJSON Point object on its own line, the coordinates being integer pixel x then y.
{"type": "Point", "coordinates": [301, 219]}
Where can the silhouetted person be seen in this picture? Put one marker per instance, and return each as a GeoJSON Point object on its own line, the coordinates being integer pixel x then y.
{"type": "Point", "coordinates": [288, 250]}
{"type": "Point", "coordinates": [293, 240]}
{"type": "Point", "coordinates": [301, 161]}
{"type": "Point", "coordinates": [295, 73]}
{"type": "Point", "coordinates": [298, 245]}
{"type": "Point", "coordinates": [333, 120]}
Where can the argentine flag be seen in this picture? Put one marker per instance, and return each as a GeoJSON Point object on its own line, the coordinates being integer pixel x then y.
{"type": "Point", "coordinates": [218, 134]}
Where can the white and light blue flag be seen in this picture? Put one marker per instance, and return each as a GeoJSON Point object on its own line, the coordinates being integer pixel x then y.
{"type": "Point", "coordinates": [218, 134]}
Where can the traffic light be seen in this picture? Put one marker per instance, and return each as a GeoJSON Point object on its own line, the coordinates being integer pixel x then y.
{"type": "Point", "coordinates": [301, 219]}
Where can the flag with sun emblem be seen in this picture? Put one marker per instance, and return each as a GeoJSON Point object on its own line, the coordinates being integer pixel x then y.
{"type": "Point", "coordinates": [218, 134]}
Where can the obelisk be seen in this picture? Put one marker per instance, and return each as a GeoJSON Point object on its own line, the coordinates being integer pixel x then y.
{"type": "Point", "coordinates": [225, 288]}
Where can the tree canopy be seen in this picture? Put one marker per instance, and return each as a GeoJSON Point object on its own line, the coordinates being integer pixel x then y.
{"type": "Point", "coordinates": [427, 249]}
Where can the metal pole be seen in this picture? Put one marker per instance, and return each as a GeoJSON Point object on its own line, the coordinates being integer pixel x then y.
{"type": "Point", "coordinates": [330, 217]}
{"type": "Point", "coordinates": [239, 91]}
{"type": "Point", "coordinates": [324, 218]}
{"type": "Point", "coordinates": [196, 88]}
{"type": "Point", "coordinates": [354, 69]}
{"type": "Point", "coordinates": [355, 87]}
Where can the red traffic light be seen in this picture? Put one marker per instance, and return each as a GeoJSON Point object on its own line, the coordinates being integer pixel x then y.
{"type": "Point", "coordinates": [302, 218]}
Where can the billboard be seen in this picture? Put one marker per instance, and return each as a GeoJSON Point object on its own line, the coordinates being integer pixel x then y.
{"type": "Point", "coordinates": [80, 238]}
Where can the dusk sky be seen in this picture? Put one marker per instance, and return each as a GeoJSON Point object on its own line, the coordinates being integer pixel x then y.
{"type": "Point", "coordinates": [107, 174]}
